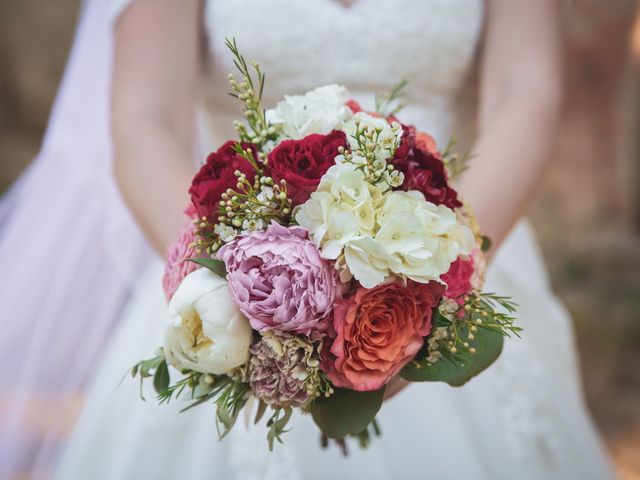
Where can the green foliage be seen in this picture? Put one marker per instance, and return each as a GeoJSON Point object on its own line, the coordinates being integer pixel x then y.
{"type": "Point", "coordinates": [146, 368]}
{"type": "Point", "coordinates": [213, 264]}
{"type": "Point", "coordinates": [388, 103]}
{"type": "Point", "coordinates": [455, 163]}
{"type": "Point", "coordinates": [229, 403]}
{"type": "Point", "coordinates": [346, 412]}
{"type": "Point", "coordinates": [277, 424]}
{"type": "Point", "coordinates": [249, 91]}
{"type": "Point", "coordinates": [161, 377]}
{"type": "Point", "coordinates": [457, 369]}
{"type": "Point", "coordinates": [485, 246]}
{"type": "Point", "coordinates": [472, 340]}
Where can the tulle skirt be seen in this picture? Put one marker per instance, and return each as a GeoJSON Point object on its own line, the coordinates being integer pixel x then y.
{"type": "Point", "coordinates": [69, 256]}
{"type": "Point", "coordinates": [524, 418]}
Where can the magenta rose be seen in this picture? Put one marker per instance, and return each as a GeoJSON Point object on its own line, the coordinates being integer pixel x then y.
{"type": "Point", "coordinates": [458, 278]}
{"type": "Point", "coordinates": [217, 175]}
{"type": "Point", "coordinates": [423, 169]}
{"type": "Point", "coordinates": [280, 282]}
{"type": "Point", "coordinates": [301, 163]}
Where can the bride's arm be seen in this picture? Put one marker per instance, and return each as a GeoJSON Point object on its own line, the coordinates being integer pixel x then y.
{"type": "Point", "coordinates": [155, 75]}
{"type": "Point", "coordinates": [519, 100]}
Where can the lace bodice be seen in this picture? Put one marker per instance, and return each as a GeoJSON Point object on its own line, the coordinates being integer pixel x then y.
{"type": "Point", "coordinates": [368, 47]}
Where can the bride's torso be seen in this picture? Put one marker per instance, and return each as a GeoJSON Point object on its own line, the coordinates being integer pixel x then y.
{"type": "Point", "coordinates": [368, 47]}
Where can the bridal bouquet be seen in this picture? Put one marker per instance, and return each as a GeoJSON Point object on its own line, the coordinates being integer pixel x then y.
{"type": "Point", "coordinates": [327, 254]}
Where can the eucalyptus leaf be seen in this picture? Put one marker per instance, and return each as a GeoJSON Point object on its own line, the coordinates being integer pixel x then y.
{"type": "Point", "coordinates": [346, 412]}
{"type": "Point", "coordinates": [213, 264]}
{"type": "Point", "coordinates": [463, 367]}
{"type": "Point", "coordinates": [485, 246]}
{"type": "Point", "coordinates": [161, 377]}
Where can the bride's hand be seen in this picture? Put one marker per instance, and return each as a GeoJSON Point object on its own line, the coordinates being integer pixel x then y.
{"type": "Point", "coordinates": [396, 385]}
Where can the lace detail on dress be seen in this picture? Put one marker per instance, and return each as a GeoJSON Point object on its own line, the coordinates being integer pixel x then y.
{"type": "Point", "coordinates": [523, 391]}
{"type": "Point", "coordinates": [367, 47]}
{"type": "Point", "coordinates": [250, 459]}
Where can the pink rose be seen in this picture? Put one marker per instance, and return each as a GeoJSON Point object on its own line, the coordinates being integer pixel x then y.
{"type": "Point", "coordinates": [378, 331]}
{"type": "Point", "coordinates": [280, 282]}
{"type": "Point", "coordinates": [458, 278]}
{"type": "Point", "coordinates": [177, 267]}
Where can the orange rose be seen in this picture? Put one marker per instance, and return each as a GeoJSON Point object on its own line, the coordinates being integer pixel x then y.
{"type": "Point", "coordinates": [379, 331]}
{"type": "Point", "coordinates": [427, 142]}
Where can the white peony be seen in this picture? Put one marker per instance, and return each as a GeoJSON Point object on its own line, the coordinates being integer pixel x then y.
{"type": "Point", "coordinates": [375, 235]}
{"type": "Point", "coordinates": [206, 332]}
{"type": "Point", "coordinates": [318, 111]}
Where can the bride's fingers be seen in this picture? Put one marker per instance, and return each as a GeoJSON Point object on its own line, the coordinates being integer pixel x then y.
{"type": "Point", "coordinates": [394, 386]}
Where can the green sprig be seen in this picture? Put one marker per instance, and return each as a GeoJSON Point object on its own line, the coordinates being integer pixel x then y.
{"type": "Point", "coordinates": [249, 90]}
{"type": "Point", "coordinates": [387, 103]}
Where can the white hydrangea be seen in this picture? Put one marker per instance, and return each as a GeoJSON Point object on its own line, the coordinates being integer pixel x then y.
{"type": "Point", "coordinates": [375, 235]}
{"type": "Point", "coordinates": [318, 111]}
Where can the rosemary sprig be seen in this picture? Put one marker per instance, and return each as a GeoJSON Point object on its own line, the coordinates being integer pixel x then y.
{"type": "Point", "coordinates": [277, 424]}
{"type": "Point", "coordinates": [387, 103]}
{"type": "Point", "coordinates": [455, 163]}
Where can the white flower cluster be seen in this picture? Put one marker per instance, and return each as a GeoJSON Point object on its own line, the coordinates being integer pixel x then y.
{"type": "Point", "coordinates": [373, 141]}
{"type": "Point", "coordinates": [374, 234]}
{"type": "Point", "coordinates": [318, 111]}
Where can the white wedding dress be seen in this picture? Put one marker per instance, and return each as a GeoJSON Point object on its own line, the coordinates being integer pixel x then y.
{"type": "Point", "coordinates": [524, 418]}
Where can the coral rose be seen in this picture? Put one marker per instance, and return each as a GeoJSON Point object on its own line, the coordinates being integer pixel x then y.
{"type": "Point", "coordinates": [301, 163]}
{"type": "Point", "coordinates": [217, 175]}
{"type": "Point", "coordinates": [379, 331]}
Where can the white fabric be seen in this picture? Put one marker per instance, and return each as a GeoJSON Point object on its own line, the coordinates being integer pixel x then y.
{"type": "Point", "coordinates": [522, 419]}
{"type": "Point", "coordinates": [69, 254]}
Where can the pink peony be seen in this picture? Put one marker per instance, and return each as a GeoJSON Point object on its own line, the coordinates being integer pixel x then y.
{"type": "Point", "coordinates": [459, 278]}
{"type": "Point", "coordinates": [176, 266]}
{"type": "Point", "coordinates": [280, 281]}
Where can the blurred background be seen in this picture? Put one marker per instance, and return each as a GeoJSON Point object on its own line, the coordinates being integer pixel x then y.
{"type": "Point", "coordinates": [587, 214]}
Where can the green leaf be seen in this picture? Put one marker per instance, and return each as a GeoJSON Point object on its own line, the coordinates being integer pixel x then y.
{"type": "Point", "coordinates": [346, 412]}
{"type": "Point", "coordinates": [463, 367]}
{"type": "Point", "coordinates": [262, 408]}
{"type": "Point", "coordinates": [213, 264]}
{"type": "Point", "coordinates": [161, 377]}
{"type": "Point", "coordinates": [486, 243]}
{"type": "Point", "coordinates": [150, 364]}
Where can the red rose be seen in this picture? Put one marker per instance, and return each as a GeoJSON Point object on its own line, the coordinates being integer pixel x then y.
{"type": "Point", "coordinates": [423, 168]}
{"type": "Point", "coordinates": [301, 163]}
{"type": "Point", "coordinates": [354, 106]}
{"type": "Point", "coordinates": [217, 175]}
{"type": "Point", "coordinates": [378, 331]}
